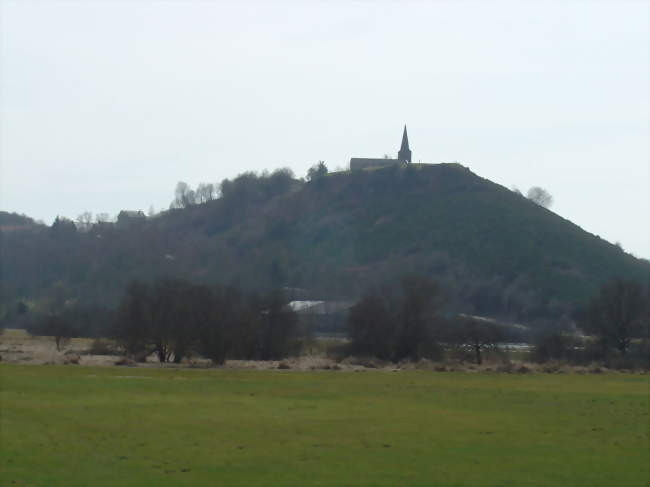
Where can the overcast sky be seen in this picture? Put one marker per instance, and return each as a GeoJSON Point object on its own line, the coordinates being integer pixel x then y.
{"type": "Point", "coordinates": [106, 105]}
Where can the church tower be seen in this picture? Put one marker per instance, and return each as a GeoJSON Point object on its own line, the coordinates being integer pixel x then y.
{"type": "Point", "coordinates": [404, 154]}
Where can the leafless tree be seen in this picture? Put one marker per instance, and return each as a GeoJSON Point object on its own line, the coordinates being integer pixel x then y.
{"type": "Point", "coordinates": [85, 221]}
{"type": "Point", "coordinates": [619, 313]}
{"type": "Point", "coordinates": [58, 327]}
{"type": "Point", "coordinates": [102, 218]}
{"type": "Point", "coordinates": [397, 326]}
{"type": "Point", "coordinates": [540, 196]}
{"type": "Point", "coordinates": [185, 196]}
{"type": "Point", "coordinates": [205, 192]}
{"type": "Point", "coordinates": [475, 336]}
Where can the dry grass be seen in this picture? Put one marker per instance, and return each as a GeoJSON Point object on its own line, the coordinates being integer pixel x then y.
{"type": "Point", "coordinates": [18, 346]}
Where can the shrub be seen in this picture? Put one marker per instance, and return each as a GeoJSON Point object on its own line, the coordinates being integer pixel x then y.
{"type": "Point", "coordinates": [125, 361]}
{"type": "Point", "coordinates": [72, 360]}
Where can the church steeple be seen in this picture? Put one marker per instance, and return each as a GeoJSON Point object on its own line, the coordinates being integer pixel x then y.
{"type": "Point", "coordinates": [404, 154]}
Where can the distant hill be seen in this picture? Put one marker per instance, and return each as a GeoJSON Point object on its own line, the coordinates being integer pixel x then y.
{"type": "Point", "coordinates": [496, 252]}
{"type": "Point", "coordinates": [14, 221]}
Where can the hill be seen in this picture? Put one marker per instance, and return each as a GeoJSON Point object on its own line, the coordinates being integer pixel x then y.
{"type": "Point", "coordinates": [14, 221]}
{"type": "Point", "coordinates": [496, 252]}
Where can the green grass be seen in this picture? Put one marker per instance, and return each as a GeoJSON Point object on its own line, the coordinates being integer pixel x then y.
{"type": "Point", "coordinates": [69, 426]}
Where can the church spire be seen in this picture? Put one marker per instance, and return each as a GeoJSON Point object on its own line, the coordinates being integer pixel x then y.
{"type": "Point", "coordinates": [404, 154]}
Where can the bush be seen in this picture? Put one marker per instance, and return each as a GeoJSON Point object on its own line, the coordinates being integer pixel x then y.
{"type": "Point", "coordinates": [125, 362]}
{"type": "Point", "coordinates": [72, 360]}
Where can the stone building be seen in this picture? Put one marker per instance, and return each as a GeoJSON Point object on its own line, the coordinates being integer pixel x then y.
{"type": "Point", "coordinates": [403, 157]}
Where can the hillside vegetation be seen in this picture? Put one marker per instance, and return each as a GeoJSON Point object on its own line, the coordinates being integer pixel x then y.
{"type": "Point", "coordinates": [494, 251]}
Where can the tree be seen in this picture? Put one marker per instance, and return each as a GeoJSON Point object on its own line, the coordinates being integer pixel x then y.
{"type": "Point", "coordinates": [63, 228]}
{"type": "Point", "coordinates": [84, 221]}
{"type": "Point", "coordinates": [372, 327]}
{"type": "Point", "coordinates": [317, 171]}
{"type": "Point", "coordinates": [174, 318]}
{"type": "Point", "coordinates": [56, 326]}
{"type": "Point", "coordinates": [171, 327]}
{"type": "Point", "coordinates": [475, 336]}
{"type": "Point", "coordinates": [554, 345]}
{"type": "Point", "coordinates": [279, 325]}
{"type": "Point", "coordinates": [617, 314]}
{"type": "Point", "coordinates": [421, 300]}
{"type": "Point", "coordinates": [205, 192]}
{"type": "Point", "coordinates": [184, 196]}
{"type": "Point", "coordinates": [396, 326]}
{"type": "Point", "coordinates": [540, 197]}
{"type": "Point", "coordinates": [278, 182]}
{"type": "Point", "coordinates": [158, 318]}
{"type": "Point", "coordinates": [101, 218]}
{"type": "Point", "coordinates": [217, 327]}
{"type": "Point", "coordinates": [132, 328]}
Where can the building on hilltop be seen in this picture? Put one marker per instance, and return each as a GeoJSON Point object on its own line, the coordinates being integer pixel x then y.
{"type": "Point", "coordinates": [403, 157]}
{"type": "Point", "coordinates": [404, 154]}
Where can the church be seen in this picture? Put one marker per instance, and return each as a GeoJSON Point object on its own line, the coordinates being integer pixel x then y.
{"type": "Point", "coordinates": [403, 157]}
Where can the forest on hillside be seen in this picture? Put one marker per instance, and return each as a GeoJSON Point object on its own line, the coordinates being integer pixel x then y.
{"type": "Point", "coordinates": [494, 252]}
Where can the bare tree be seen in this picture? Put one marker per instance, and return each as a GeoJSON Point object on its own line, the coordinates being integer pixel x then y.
{"type": "Point", "coordinates": [540, 196]}
{"type": "Point", "coordinates": [102, 218]}
{"type": "Point", "coordinates": [618, 314]}
{"type": "Point", "coordinates": [85, 221]}
{"type": "Point", "coordinates": [57, 327]}
{"type": "Point", "coordinates": [373, 326]}
{"type": "Point", "coordinates": [475, 336]}
{"type": "Point", "coordinates": [420, 306]}
{"type": "Point", "coordinates": [185, 196]}
{"type": "Point", "coordinates": [205, 192]}
{"type": "Point", "coordinates": [133, 325]}
{"type": "Point", "coordinates": [397, 326]}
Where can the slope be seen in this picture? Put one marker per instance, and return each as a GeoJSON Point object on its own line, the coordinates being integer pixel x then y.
{"type": "Point", "coordinates": [495, 251]}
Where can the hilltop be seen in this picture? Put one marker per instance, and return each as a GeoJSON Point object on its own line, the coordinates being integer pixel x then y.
{"type": "Point", "coordinates": [495, 252]}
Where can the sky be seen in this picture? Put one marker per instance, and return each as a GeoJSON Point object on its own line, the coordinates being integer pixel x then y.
{"type": "Point", "coordinates": [106, 105]}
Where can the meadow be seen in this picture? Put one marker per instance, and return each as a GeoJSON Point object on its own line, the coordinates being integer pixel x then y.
{"type": "Point", "coordinates": [109, 426]}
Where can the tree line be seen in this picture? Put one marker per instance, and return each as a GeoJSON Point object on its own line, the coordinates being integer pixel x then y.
{"type": "Point", "coordinates": [410, 323]}
{"type": "Point", "coordinates": [175, 319]}
{"type": "Point", "coordinates": [248, 187]}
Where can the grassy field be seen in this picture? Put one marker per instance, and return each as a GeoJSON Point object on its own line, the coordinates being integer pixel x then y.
{"type": "Point", "coordinates": [73, 426]}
